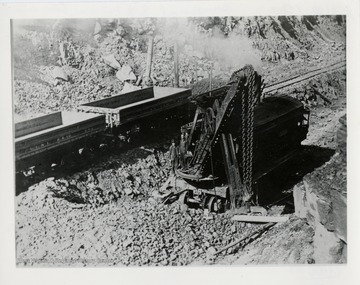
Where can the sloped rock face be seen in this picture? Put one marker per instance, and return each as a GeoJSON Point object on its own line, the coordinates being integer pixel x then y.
{"type": "Point", "coordinates": [321, 200]}
{"type": "Point", "coordinates": [341, 137]}
{"type": "Point", "coordinates": [291, 37]}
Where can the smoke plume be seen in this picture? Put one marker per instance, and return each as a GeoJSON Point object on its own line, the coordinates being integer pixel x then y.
{"type": "Point", "coordinates": [230, 51]}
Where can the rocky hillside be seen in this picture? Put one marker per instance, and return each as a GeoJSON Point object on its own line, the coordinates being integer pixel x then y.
{"type": "Point", "coordinates": [59, 64]}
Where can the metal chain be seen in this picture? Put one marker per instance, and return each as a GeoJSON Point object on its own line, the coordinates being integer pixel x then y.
{"type": "Point", "coordinates": [248, 132]}
{"type": "Point", "coordinates": [247, 149]}
{"type": "Point", "coordinates": [248, 102]}
{"type": "Point", "coordinates": [252, 95]}
{"type": "Point", "coordinates": [243, 134]}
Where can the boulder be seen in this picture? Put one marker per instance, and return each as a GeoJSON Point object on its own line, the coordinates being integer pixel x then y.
{"type": "Point", "coordinates": [59, 73]}
{"type": "Point", "coordinates": [323, 203]}
{"type": "Point", "coordinates": [120, 31]}
{"type": "Point", "coordinates": [97, 37]}
{"type": "Point", "coordinates": [128, 191]}
{"type": "Point", "coordinates": [111, 61]}
{"type": "Point", "coordinates": [327, 247]}
{"type": "Point", "coordinates": [129, 88]}
{"type": "Point", "coordinates": [125, 73]}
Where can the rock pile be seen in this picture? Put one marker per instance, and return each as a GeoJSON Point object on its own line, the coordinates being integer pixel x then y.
{"type": "Point", "coordinates": [114, 217]}
{"type": "Point", "coordinates": [129, 232]}
{"type": "Point", "coordinates": [106, 184]}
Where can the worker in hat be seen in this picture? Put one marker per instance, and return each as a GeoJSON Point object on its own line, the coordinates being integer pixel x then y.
{"type": "Point", "coordinates": [173, 151]}
{"type": "Point", "coordinates": [182, 149]}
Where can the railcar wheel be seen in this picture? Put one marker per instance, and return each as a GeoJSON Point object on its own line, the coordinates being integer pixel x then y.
{"type": "Point", "coordinates": [204, 201]}
{"type": "Point", "coordinates": [210, 121]}
{"type": "Point", "coordinates": [211, 204]}
{"type": "Point", "coordinates": [184, 197]}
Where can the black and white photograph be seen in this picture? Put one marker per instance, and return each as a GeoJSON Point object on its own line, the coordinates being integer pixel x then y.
{"type": "Point", "coordinates": [180, 141]}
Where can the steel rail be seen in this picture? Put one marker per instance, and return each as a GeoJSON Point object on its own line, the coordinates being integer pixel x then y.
{"type": "Point", "coordinates": [303, 77]}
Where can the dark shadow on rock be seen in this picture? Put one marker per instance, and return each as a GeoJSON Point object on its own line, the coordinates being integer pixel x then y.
{"type": "Point", "coordinates": [111, 158]}
{"type": "Point", "coordinates": [309, 22]}
{"type": "Point", "coordinates": [340, 19]}
{"type": "Point", "coordinates": [286, 24]}
{"type": "Point", "coordinates": [276, 27]}
{"type": "Point", "coordinates": [277, 186]}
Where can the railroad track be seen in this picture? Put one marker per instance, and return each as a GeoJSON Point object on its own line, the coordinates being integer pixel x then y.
{"type": "Point", "coordinates": [302, 77]}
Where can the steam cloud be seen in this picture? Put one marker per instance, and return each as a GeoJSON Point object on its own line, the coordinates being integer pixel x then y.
{"type": "Point", "coordinates": [228, 52]}
{"type": "Point", "coordinates": [231, 52]}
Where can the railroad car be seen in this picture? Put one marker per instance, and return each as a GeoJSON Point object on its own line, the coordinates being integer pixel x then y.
{"type": "Point", "coordinates": [60, 136]}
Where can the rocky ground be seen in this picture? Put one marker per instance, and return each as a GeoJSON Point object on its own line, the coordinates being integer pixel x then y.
{"type": "Point", "coordinates": [118, 218]}
{"type": "Point", "coordinates": [111, 213]}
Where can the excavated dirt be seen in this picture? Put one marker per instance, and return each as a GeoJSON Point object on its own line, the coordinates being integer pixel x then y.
{"type": "Point", "coordinates": [111, 213]}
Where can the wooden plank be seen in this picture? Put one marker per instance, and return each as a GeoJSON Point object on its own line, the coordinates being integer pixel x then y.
{"type": "Point", "coordinates": [194, 123]}
{"type": "Point", "coordinates": [38, 124]}
{"type": "Point", "coordinates": [259, 219]}
{"type": "Point", "coordinates": [248, 238]}
{"type": "Point", "coordinates": [237, 177]}
{"type": "Point", "coordinates": [228, 170]}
